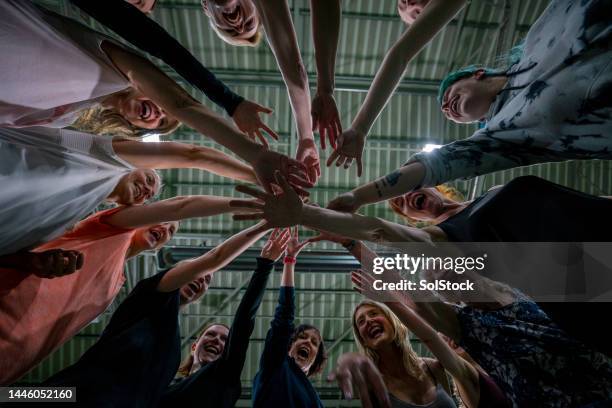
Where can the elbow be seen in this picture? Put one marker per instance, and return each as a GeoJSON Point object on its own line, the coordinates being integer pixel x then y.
{"type": "Point", "coordinates": [196, 154]}
{"type": "Point", "coordinates": [180, 205]}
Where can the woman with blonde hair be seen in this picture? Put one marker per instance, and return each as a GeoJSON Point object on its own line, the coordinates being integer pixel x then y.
{"type": "Point", "coordinates": [52, 178]}
{"type": "Point", "coordinates": [69, 67]}
{"type": "Point", "coordinates": [476, 387]}
{"type": "Point", "coordinates": [411, 380]}
{"type": "Point", "coordinates": [428, 206]}
{"type": "Point", "coordinates": [240, 22]}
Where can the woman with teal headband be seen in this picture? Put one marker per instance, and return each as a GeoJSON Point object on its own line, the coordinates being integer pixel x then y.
{"type": "Point", "coordinates": [552, 105]}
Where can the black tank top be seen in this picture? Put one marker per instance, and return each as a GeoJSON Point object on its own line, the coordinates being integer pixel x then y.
{"type": "Point", "coordinates": [531, 209]}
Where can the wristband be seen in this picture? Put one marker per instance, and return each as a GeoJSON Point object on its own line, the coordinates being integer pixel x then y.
{"type": "Point", "coordinates": [289, 260]}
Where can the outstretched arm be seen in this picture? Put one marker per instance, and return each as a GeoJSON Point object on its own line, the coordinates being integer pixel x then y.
{"type": "Point", "coordinates": [173, 155]}
{"type": "Point", "coordinates": [433, 18]}
{"type": "Point", "coordinates": [428, 308]}
{"type": "Point", "coordinates": [286, 209]}
{"type": "Point", "coordinates": [211, 261]}
{"type": "Point", "coordinates": [172, 209]}
{"type": "Point", "coordinates": [276, 19]}
{"type": "Point", "coordinates": [325, 31]}
{"type": "Point", "coordinates": [150, 81]}
{"type": "Point", "coordinates": [147, 35]}
{"type": "Point", "coordinates": [396, 183]}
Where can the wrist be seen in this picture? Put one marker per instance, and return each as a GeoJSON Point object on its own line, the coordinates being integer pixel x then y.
{"type": "Point", "coordinates": [305, 215]}
{"type": "Point", "coordinates": [252, 151]}
{"type": "Point", "coordinates": [325, 88]}
{"type": "Point", "coordinates": [289, 259]}
{"type": "Point", "coordinates": [360, 128]}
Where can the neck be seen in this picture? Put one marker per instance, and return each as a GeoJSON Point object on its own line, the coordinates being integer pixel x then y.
{"type": "Point", "coordinates": [496, 84]}
{"type": "Point", "coordinates": [450, 208]}
{"type": "Point", "coordinates": [195, 366]}
{"type": "Point", "coordinates": [132, 251]}
{"type": "Point", "coordinates": [388, 363]}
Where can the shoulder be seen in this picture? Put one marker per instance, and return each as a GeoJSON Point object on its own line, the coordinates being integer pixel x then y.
{"type": "Point", "coordinates": [433, 367]}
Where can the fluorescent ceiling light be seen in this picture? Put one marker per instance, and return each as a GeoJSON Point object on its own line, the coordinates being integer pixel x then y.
{"type": "Point", "coordinates": [430, 147]}
{"type": "Point", "coordinates": [151, 137]}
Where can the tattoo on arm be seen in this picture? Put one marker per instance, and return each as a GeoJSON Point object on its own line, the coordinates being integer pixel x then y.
{"type": "Point", "coordinates": [393, 178]}
{"type": "Point", "coordinates": [378, 189]}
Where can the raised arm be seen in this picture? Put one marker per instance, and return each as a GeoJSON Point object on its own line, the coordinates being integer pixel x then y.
{"type": "Point", "coordinates": [462, 372]}
{"type": "Point", "coordinates": [150, 81]}
{"type": "Point", "coordinates": [325, 31]}
{"type": "Point", "coordinates": [211, 261]}
{"type": "Point", "coordinates": [172, 209]}
{"type": "Point", "coordinates": [286, 209]}
{"type": "Point", "coordinates": [142, 31]}
{"type": "Point", "coordinates": [235, 350]}
{"type": "Point", "coordinates": [396, 183]}
{"type": "Point", "coordinates": [173, 155]}
{"type": "Point", "coordinates": [426, 306]}
{"type": "Point", "coordinates": [276, 19]}
{"type": "Point", "coordinates": [433, 18]}
{"type": "Point", "coordinates": [281, 328]}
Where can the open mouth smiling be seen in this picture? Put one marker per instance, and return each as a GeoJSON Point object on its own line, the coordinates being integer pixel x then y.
{"type": "Point", "coordinates": [375, 331]}
{"type": "Point", "coordinates": [211, 349]}
{"type": "Point", "coordinates": [303, 353]}
{"type": "Point", "coordinates": [418, 201]}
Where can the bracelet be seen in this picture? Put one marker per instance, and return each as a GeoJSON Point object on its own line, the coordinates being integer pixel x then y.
{"type": "Point", "coordinates": [289, 260]}
{"type": "Point", "coordinates": [351, 245]}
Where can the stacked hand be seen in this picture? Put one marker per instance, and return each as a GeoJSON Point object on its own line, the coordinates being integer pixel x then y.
{"type": "Point", "coordinates": [326, 236]}
{"type": "Point", "coordinates": [349, 148]}
{"type": "Point", "coordinates": [246, 117]}
{"type": "Point", "coordinates": [295, 246]}
{"type": "Point", "coordinates": [325, 118]}
{"type": "Point", "coordinates": [267, 162]}
{"type": "Point", "coordinates": [281, 210]}
{"type": "Point", "coordinates": [345, 202]}
{"type": "Point", "coordinates": [308, 154]}
{"type": "Point", "coordinates": [276, 244]}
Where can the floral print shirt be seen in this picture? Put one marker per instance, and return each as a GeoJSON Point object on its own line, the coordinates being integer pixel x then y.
{"type": "Point", "coordinates": [533, 361]}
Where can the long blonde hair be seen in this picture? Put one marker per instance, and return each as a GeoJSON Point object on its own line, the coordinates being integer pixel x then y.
{"type": "Point", "coordinates": [447, 191]}
{"type": "Point", "coordinates": [101, 120]}
{"type": "Point", "coordinates": [401, 339]}
{"type": "Point", "coordinates": [187, 363]}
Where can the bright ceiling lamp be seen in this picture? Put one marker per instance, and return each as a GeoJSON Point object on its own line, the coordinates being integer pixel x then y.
{"type": "Point", "coordinates": [151, 137]}
{"type": "Point", "coordinates": [431, 147]}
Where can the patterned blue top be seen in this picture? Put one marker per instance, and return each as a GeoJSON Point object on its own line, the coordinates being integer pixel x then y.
{"type": "Point", "coordinates": [556, 106]}
{"type": "Point", "coordinates": [533, 361]}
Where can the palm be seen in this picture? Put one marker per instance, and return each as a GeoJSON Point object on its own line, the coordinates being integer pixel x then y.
{"type": "Point", "coordinates": [307, 154]}
{"type": "Point", "coordinates": [268, 162]}
{"type": "Point", "coordinates": [351, 143]}
{"type": "Point", "coordinates": [344, 202]}
{"type": "Point", "coordinates": [325, 118]}
{"type": "Point", "coordinates": [246, 117]}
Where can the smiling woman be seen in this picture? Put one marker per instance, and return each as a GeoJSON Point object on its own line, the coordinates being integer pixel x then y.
{"type": "Point", "coordinates": [411, 381]}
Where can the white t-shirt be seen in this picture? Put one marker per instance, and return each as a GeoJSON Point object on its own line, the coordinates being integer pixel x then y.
{"type": "Point", "coordinates": [49, 180]}
{"type": "Point", "coordinates": [51, 67]}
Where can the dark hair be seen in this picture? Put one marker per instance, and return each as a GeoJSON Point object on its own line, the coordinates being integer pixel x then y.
{"type": "Point", "coordinates": [321, 358]}
{"type": "Point", "coordinates": [185, 367]}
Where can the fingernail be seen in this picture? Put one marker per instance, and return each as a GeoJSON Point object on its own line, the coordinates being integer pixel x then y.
{"type": "Point", "coordinates": [348, 395]}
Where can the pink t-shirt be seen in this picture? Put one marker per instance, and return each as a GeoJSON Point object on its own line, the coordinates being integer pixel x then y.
{"type": "Point", "coordinates": [39, 315]}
